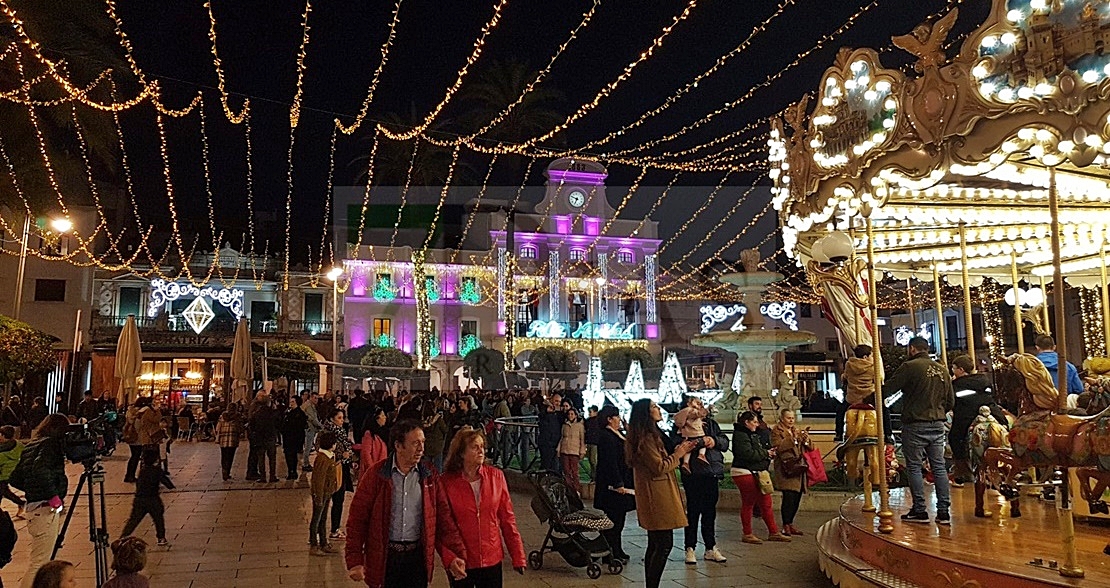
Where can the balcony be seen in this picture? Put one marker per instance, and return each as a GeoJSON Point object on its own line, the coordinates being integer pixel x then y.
{"type": "Point", "coordinates": [106, 329]}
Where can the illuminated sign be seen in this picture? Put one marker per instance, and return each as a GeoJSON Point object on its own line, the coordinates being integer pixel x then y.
{"type": "Point", "coordinates": [903, 334]}
{"type": "Point", "coordinates": [713, 315]}
{"type": "Point", "coordinates": [557, 330]}
{"type": "Point", "coordinates": [198, 314]}
{"type": "Point", "coordinates": [163, 292]}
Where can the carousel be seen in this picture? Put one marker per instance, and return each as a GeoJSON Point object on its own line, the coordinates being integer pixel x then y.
{"type": "Point", "coordinates": [989, 170]}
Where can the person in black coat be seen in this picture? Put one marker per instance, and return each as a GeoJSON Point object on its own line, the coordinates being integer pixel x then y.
{"type": "Point", "coordinates": [358, 409]}
{"type": "Point", "coordinates": [972, 390]}
{"type": "Point", "coordinates": [550, 432]}
{"type": "Point", "coordinates": [614, 492]}
{"type": "Point", "coordinates": [703, 489]}
{"type": "Point", "coordinates": [292, 429]}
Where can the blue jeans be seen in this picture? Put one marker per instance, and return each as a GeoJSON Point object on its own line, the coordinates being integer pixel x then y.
{"type": "Point", "coordinates": [309, 447]}
{"type": "Point", "coordinates": [926, 439]}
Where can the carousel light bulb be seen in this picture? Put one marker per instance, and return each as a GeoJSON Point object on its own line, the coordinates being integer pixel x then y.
{"type": "Point", "coordinates": [1025, 92]}
{"type": "Point", "coordinates": [989, 41]}
{"type": "Point", "coordinates": [1009, 38]}
{"type": "Point", "coordinates": [1091, 76]}
{"type": "Point", "coordinates": [1065, 146]}
{"type": "Point", "coordinates": [1006, 94]}
{"type": "Point", "coordinates": [1044, 135]}
{"type": "Point", "coordinates": [1043, 88]}
{"type": "Point", "coordinates": [1037, 151]}
{"type": "Point", "coordinates": [1014, 15]}
{"type": "Point", "coordinates": [870, 95]}
{"type": "Point", "coordinates": [882, 86]}
{"type": "Point", "coordinates": [1037, 4]}
{"type": "Point", "coordinates": [850, 84]}
{"type": "Point", "coordinates": [1051, 159]}
{"type": "Point", "coordinates": [986, 89]}
{"type": "Point", "coordinates": [980, 71]}
{"type": "Point", "coordinates": [890, 104]}
{"type": "Point", "coordinates": [1093, 141]}
{"type": "Point", "coordinates": [1026, 134]}
{"type": "Point", "coordinates": [863, 80]}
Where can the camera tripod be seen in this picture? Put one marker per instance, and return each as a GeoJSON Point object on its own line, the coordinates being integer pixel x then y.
{"type": "Point", "coordinates": [98, 530]}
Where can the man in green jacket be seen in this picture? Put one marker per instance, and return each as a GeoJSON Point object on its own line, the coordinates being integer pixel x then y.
{"type": "Point", "coordinates": [926, 399]}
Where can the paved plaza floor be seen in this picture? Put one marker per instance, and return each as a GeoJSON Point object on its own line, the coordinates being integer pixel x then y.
{"type": "Point", "coordinates": [229, 534]}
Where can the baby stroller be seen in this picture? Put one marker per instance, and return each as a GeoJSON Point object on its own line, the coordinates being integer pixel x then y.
{"type": "Point", "coordinates": [572, 528]}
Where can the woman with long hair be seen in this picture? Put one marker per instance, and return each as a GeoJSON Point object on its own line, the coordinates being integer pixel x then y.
{"type": "Point", "coordinates": [344, 453]}
{"type": "Point", "coordinates": [615, 490]}
{"type": "Point", "coordinates": [572, 446]}
{"type": "Point", "coordinates": [41, 475]}
{"type": "Point", "coordinates": [474, 501]}
{"type": "Point", "coordinates": [372, 447]}
{"type": "Point", "coordinates": [659, 507]}
{"type": "Point", "coordinates": [293, 425]}
{"type": "Point", "coordinates": [750, 463]}
{"type": "Point", "coordinates": [435, 433]}
{"type": "Point", "coordinates": [790, 444]}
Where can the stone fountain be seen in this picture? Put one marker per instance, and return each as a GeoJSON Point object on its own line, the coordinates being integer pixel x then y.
{"type": "Point", "coordinates": [755, 346]}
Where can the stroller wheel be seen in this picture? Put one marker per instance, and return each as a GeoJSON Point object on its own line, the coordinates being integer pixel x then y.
{"type": "Point", "coordinates": [593, 571]}
{"type": "Point", "coordinates": [535, 560]}
{"type": "Point", "coordinates": [616, 567]}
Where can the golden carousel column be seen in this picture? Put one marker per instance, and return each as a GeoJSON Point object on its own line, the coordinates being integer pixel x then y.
{"type": "Point", "coordinates": [969, 327]}
{"type": "Point", "coordinates": [1070, 567]}
{"type": "Point", "coordinates": [886, 516]}
{"type": "Point", "coordinates": [1017, 302]}
{"type": "Point", "coordinates": [1104, 292]}
{"type": "Point", "coordinates": [942, 341]}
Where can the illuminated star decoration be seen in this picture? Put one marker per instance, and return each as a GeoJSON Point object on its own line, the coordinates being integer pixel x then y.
{"type": "Point", "coordinates": [198, 314]}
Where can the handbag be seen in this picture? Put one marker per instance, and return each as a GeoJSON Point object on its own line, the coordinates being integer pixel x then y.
{"type": "Point", "coordinates": [816, 473]}
{"type": "Point", "coordinates": [792, 464]}
{"type": "Point", "coordinates": [765, 485]}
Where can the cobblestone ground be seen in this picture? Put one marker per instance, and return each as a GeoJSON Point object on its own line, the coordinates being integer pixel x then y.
{"type": "Point", "coordinates": [229, 534]}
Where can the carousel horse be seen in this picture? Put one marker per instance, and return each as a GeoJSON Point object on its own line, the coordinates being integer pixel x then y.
{"type": "Point", "coordinates": [861, 438]}
{"type": "Point", "coordinates": [989, 443]}
{"type": "Point", "coordinates": [1039, 437]}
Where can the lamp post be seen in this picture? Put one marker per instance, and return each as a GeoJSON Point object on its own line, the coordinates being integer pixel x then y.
{"type": "Point", "coordinates": [59, 225]}
{"type": "Point", "coordinates": [333, 275]}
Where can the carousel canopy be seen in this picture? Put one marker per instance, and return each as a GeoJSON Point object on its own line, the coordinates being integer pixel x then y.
{"type": "Point", "coordinates": [974, 143]}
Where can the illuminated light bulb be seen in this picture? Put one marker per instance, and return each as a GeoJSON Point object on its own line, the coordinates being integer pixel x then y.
{"type": "Point", "coordinates": [858, 149]}
{"type": "Point", "coordinates": [862, 81]}
{"type": "Point", "coordinates": [888, 123]}
{"type": "Point", "coordinates": [1051, 159]}
{"type": "Point", "coordinates": [850, 84]}
{"type": "Point", "coordinates": [997, 158]}
{"type": "Point", "coordinates": [857, 66]}
{"type": "Point", "coordinates": [1014, 15]}
{"type": "Point", "coordinates": [1006, 94]}
{"type": "Point", "coordinates": [989, 41]}
{"type": "Point", "coordinates": [1037, 151]}
{"type": "Point", "coordinates": [882, 86]}
{"type": "Point", "coordinates": [870, 95]}
{"type": "Point", "coordinates": [1044, 135]}
{"type": "Point", "coordinates": [828, 101]}
{"type": "Point", "coordinates": [1009, 147]}
{"type": "Point", "coordinates": [830, 81]}
{"type": "Point", "coordinates": [1026, 134]}
{"type": "Point", "coordinates": [1025, 92]}
{"type": "Point", "coordinates": [878, 137]}
{"type": "Point", "coordinates": [1043, 88]}
{"type": "Point", "coordinates": [1066, 145]}
{"type": "Point", "coordinates": [1037, 4]}
{"type": "Point", "coordinates": [1091, 76]}
{"type": "Point", "coordinates": [1093, 141]}
{"type": "Point", "coordinates": [1009, 38]}
{"type": "Point", "coordinates": [980, 71]}
{"type": "Point", "coordinates": [986, 89]}
{"type": "Point", "coordinates": [890, 104]}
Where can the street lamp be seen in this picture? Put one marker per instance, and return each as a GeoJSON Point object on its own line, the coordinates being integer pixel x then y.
{"type": "Point", "coordinates": [333, 275]}
{"type": "Point", "coordinates": [59, 225]}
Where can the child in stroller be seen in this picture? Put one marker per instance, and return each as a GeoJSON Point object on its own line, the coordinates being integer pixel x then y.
{"type": "Point", "coordinates": [573, 529]}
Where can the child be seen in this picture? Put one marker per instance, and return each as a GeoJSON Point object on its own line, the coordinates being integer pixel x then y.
{"type": "Point", "coordinates": [10, 451]}
{"type": "Point", "coordinates": [55, 574]}
{"type": "Point", "coordinates": [326, 478]}
{"type": "Point", "coordinates": [690, 424]}
{"type": "Point", "coordinates": [128, 559]}
{"type": "Point", "coordinates": [147, 501]}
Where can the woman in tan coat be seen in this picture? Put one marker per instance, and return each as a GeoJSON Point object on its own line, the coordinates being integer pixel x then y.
{"type": "Point", "coordinates": [659, 508]}
{"type": "Point", "coordinates": [572, 447]}
{"type": "Point", "coordinates": [789, 444]}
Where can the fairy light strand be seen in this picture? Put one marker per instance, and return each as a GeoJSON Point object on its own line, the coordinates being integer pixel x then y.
{"type": "Point", "coordinates": [295, 108]}
{"type": "Point", "coordinates": [221, 81]}
{"type": "Point", "coordinates": [374, 79]}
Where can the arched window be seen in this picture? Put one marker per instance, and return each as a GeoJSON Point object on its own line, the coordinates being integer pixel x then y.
{"type": "Point", "coordinates": [528, 252]}
{"type": "Point", "coordinates": [626, 256]}
{"type": "Point", "coordinates": [577, 254]}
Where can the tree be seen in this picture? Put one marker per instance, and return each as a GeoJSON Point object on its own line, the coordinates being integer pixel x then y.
{"type": "Point", "coordinates": [557, 363]}
{"type": "Point", "coordinates": [353, 356]}
{"type": "Point", "coordinates": [383, 362]}
{"type": "Point", "coordinates": [290, 370]}
{"type": "Point", "coordinates": [24, 350]}
{"type": "Point", "coordinates": [485, 364]}
{"type": "Point", "coordinates": [615, 362]}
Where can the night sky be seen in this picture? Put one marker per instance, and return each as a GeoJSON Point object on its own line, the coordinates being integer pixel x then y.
{"type": "Point", "coordinates": [258, 43]}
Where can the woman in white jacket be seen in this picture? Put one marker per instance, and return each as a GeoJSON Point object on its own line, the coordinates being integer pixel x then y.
{"type": "Point", "coordinates": [572, 447]}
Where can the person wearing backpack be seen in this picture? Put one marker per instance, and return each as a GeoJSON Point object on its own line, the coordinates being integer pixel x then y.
{"type": "Point", "coordinates": [41, 475]}
{"type": "Point", "coordinates": [10, 452]}
{"type": "Point", "coordinates": [138, 432]}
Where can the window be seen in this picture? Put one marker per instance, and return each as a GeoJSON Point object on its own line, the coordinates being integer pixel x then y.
{"type": "Point", "coordinates": [577, 254]}
{"type": "Point", "coordinates": [470, 328]}
{"type": "Point", "coordinates": [129, 299]}
{"type": "Point", "coordinates": [313, 307]}
{"type": "Point", "coordinates": [626, 256]}
{"type": "Point", "coordinates": [805, 310]}
{"type": "Point", "coordinates": [528, 252]}
{"type": "Point", "coordinates": [382, 328]}
{"type": "Point", "coordinates": [50, 290]}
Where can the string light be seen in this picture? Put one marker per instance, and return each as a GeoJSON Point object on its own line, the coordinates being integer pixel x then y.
{"type": "Point", "coordinates": [673, 98]}
{"type": "Point", "coordinates": [992, 323]}
{"type": "Point", "coordinates": [682, 229]}
{"type": "Point", "coordinates": [477, 203]}
{"type": "Point", "coordinates": [743, 199]}
{"type": "Point", "coordinates": [404, 196]}
{"type": "Point", "coordinates": [442, 198]}
{"type": "Point", "coordinates": [366, 192]}
{"type": "Point", "coordinates": [327, 203]}
{"type": "Point", "coordinates": [479, 43]}
{"type": "Point", "coordinates": [1090, 308]}
{"type": "Point", "coordinates": [375, 78]}
{"type": "Point", "coordinates": [295, 109]}
{"type": "Point", "coordinates": [221, 83]}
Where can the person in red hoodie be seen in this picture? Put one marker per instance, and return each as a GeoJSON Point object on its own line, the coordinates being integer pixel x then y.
{"type": "Point", "coordinates": [391, 525]}
{"type": "Point", "coordinates": [475, 500]}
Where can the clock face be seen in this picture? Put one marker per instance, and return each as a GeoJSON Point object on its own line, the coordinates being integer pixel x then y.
{"type": "Point", "coordinates": [577, 198]}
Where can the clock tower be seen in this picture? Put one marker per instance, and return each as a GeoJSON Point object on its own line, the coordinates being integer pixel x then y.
{"type": "Point", "coordinates": [575, 190]}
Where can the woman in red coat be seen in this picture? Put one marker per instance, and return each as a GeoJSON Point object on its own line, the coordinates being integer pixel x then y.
{"type": "Point", "coordinates": [475, 500]}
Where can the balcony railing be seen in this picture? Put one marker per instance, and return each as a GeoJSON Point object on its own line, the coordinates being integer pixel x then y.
{"type": "Point", "coordinates": [106, 328]}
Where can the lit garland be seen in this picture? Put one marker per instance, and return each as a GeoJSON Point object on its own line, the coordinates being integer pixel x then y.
{"type": "Point", "coordinates": [468, 343]}
{"type": "Point", "coordinates": [673, 98]}
{"type": "Point", "coordinates": [477, 202]}
{"type": "Point", "coordinates": [1090, 308]}
{"type": "Point", "coordinates": [470, 293]}
{"type": "Point", "coordinates": [295, 108]}
{"type": "Point", "coordinates": [442, 198]}
{"type": "Point", "coordinates": [992, 322]}
{"type": "Point", "coordinates": [740, 201]}
{"type": "Point", "coordinates": [479, 43]}
{"type": "Point", "coordinates": [366, 193]}
{"type": "Point", "coordinates": [383, 289]}
{"type": "Point", "coordinates": [431, 289]}
{"type": "Point", "coordinates": [404, 198]}
{"type": "Point", "coordinates": [349, 130]}
{"type": "Point", "coordinates": [221, 83]}
{"type": "Point", "coordinates": [423, 318]}
{"type": "Point", "coordinates": [327, 205]}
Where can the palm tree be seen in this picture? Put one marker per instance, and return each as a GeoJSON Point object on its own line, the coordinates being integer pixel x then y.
{"type": "Point", "coordinates": [393, 159]}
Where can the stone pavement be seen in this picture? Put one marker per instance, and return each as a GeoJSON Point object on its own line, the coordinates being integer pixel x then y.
{"type": "Point", "coordinates": [244, 534]}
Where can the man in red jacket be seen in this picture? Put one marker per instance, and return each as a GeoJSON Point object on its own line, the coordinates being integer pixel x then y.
{"type": "Point", "coordinates": [391, 525]}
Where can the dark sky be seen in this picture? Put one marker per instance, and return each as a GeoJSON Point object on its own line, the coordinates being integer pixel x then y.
{"type": "Point", "coordinates": [258, 43]}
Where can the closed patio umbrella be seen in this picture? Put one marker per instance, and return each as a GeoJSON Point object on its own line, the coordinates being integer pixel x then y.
{"type": "Point", "coordinates": [242, 364]}
{"type": "Point", "coordinates": [129, 360]}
